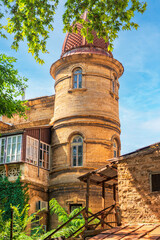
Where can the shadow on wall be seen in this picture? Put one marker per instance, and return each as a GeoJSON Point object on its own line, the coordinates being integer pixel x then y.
{"type": "Point", "coordinates": [137, 201]}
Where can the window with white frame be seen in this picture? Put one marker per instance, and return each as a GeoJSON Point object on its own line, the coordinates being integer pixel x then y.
{"type": "Point", "coordinates": [2, 149]}
{"type": "Point", "coordinates": [77, 151]}
{"type": "Point", "coordinates": [44, 155]}
{"type": "Point", "coordinates": [32, 150]}
{"type": "Point", "coordinates": [10, 149]}
{"type": "Point", "coordinates": [77, 78]}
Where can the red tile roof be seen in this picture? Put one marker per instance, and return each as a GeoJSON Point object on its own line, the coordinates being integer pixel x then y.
{"type": "Point", "coordinates": [75, 40]}
{"type": "Point", "coordinates": [130, 232]}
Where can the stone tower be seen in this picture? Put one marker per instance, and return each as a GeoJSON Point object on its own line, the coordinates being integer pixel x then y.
{"type": "Point", "coordinates": [86, 126]}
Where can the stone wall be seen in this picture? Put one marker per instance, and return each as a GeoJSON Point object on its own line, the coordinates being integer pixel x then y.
{"type": "Point", "coordinates": [75, 193]}
{"type": "Point", "coordinates": [91, 111]}
{"type": "Point", "coordinates": [137, 202]}
{"type": "Point", "coordinates": [40, 113]}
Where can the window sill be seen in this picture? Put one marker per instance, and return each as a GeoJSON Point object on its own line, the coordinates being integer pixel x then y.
{"type": "Point", "coordinates": [77, 90]}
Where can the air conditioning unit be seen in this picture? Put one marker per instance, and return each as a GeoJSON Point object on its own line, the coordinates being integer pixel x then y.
{"type": "Point", "coordinates": [42, 205]}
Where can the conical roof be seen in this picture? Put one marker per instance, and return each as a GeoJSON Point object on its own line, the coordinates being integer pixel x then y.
{"type": "Point", "coordinates": [75, 43]}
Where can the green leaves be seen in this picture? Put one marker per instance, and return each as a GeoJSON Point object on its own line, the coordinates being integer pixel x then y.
{"type": "Point", "coordinates": [11, 87]}
{"type": "Point", "coordinates": [12, 193]}
{"type": "Point", "coordinates": [107, 18]}
{"type": "Point", "coordinates": [31, 20]}
{"type": "Point", "coordinates": [63, 217]}
{"type": "Point", "coordinates": [14, 196]}
{"type": "Point", "coordinates": [21, 221]}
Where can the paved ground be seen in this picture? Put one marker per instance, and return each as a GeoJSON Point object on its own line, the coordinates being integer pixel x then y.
{"type": "Point", "coordinates": [131, 232]}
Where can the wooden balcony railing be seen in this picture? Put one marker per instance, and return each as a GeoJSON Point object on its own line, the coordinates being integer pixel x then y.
{"type": "Point", "coordinates": [106, 218]}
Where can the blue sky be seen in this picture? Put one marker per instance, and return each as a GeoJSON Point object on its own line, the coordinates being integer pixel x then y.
{"type": "Point", "coordinates": [138, 51]}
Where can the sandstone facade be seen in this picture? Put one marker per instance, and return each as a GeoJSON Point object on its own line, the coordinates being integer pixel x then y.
{"type": "Point", "coordinates": [91, 112]}
{"type": "Point", "coordinates": [137, 201]}
{"type": "Point", "coordinates": [78, 128]}
{"type": "Point", "coordinates": [38, 117]}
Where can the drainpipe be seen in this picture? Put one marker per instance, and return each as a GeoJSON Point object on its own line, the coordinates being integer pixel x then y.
{"type": "Point", "coordinates": [39, 149]}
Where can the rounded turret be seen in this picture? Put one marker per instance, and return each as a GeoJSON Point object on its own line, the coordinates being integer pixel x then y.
{"type": "Point", "coordinates": [86, 126]}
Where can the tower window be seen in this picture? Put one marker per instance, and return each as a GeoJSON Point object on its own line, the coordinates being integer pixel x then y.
{"type": "Point", "coordinates": [115, 148]}
{"type": "Point", "coordinates": [77, 78]}
{"type": "Point", "coordinates": [77, 151]}
{"type": "Point", "coordinates": [113, 86]}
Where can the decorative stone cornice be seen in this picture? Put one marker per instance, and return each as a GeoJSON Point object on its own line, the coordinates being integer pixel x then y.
{"type": "Point", "coordinates": [88, 124]}
{"type": "Point", "coordinates": [5, 126]}
{"type": "Point", "coordinates": [94, 117]}
{"type": "Point", "coordinates": [87, 57]}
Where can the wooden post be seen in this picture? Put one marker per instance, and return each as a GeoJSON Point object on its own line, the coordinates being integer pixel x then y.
{"type": "Point", "coordinates": [103, 195]}
{"type": "Point", "coordinates": [11, 228]}
{"type": "Point", "coordinates": [114, 193]}
{"type": "Point", "coordinates": [6, 168]}
{"type": "Point", "coordinates": [87, 203]}
{"type": "Point", "coordinates": [103, 203]}
{"type": "Point", "coordinates": [117, 219]}
{"type": "Point", "coordinates": [39, 149]}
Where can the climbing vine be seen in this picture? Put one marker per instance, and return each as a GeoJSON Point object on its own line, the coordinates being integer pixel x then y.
{"type": "Point", "coordinates": [12, 193]}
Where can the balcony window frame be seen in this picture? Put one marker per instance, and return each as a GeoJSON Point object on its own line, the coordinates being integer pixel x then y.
{"type": "Point", "coordinates": [11, 152]}
{"type": "Point", "coordinates": [42, 160]}
{"type": "Point", "coordinates": [37, 153]}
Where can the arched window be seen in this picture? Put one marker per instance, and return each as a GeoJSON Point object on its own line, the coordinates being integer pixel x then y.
{"type": "Point", "coordinates": [77, 151]}
{"type": "Point", "coordinates": [115, 148]}
{"type": "Point", "coordinates": [77, 78]}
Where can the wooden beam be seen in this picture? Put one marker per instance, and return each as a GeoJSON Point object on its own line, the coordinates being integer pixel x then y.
{"type": "Point", "coordinates": [103, 203]}
{"type": "Point", "coordinates": [6, 168]}
{"type": "Point", "coordinates": [114, 193]}
{"type": "Point", "coordinates": [94, 182]}
{"type": "Point", "coordinates": [110, 178]}
{"type": "Point", "coordinates": [87, 202]}
{"type": "Point", "coordinates": [103, 195]}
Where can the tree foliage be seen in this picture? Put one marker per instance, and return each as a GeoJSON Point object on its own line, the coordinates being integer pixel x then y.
{"type": "Point", "coordinates": [12, 193]}
{"type": "Point", "coordinates": [33, 19]}
{"type": "Point", "coordinates": [63, 217]}
{"type": "Point", "coordinates": [106, 17]}
{"type": "Point", "coordinates": [21, 221]}
{"type": "Point", "coordinates": [11, 87]}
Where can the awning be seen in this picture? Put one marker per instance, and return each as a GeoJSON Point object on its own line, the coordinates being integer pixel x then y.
{"type": "Point", "coordinates": [106, 175]}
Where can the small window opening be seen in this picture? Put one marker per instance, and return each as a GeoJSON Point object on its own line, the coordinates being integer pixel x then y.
{"type": "Point", "coordinates": [74, 206]}
{"type": "Point", "coordinates": [155, 182]}
{"type": "Point", "coordinates": [77, 78]}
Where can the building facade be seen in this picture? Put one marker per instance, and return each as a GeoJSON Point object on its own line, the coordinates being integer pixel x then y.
{"type": "Point", "coordinates": [139, 185]}
{"type": "Point", "coordinates": [70, 133]}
